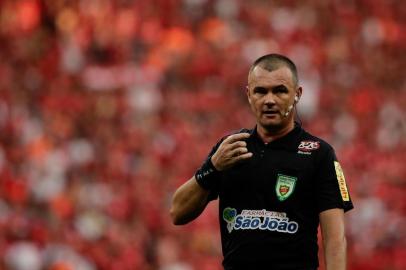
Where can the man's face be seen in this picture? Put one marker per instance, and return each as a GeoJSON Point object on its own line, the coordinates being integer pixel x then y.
{"type": "Point", "coordinates": [270, 94]}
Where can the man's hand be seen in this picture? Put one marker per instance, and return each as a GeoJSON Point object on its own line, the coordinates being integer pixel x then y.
{"type": "Point", "coordinates": [232, 150]}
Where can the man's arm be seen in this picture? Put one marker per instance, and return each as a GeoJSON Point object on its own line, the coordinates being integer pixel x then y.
{"type": "Point", "coordinates": [190, 199]}
{"type": "Point", "coordinates": [334, 242]}
{"type": "Point", "coordinates": [188, 202]}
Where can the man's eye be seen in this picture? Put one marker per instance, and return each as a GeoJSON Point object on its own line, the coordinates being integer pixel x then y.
{"type": "Point", "coordinates": [260, 90]}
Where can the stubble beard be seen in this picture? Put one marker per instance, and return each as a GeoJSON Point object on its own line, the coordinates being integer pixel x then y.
{"type": "Point", "coordinates": [275, 128]}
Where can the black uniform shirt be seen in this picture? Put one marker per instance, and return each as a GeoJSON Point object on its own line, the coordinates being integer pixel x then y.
{"type": "Point", "coordinates": [270, 204]}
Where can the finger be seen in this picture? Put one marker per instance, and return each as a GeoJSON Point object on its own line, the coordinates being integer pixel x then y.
{"type": "Point", "coordinates": [237, 137]}
{"type": "Point", "coordinates": [244, 156]}
{"type": "Point", "coordinates": [238, 151]}
{"type": "Point", "coordinates": [237, 144]}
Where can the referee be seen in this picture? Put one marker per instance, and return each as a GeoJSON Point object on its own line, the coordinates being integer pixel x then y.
{"type": "Point", "coordinates": [275, 183]}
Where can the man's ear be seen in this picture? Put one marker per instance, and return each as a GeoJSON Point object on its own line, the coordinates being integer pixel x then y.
{"type": "Point", "coordinates": [299, 91]}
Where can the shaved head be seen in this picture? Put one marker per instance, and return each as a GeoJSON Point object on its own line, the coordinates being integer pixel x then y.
{"type": "Point", "coordinates": [271, 62]}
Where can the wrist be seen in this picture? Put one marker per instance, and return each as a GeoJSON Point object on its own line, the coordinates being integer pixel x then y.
{"type": "Point", "coordinates": [215, 166]}
{"type": "Point", "coordinates": [207, 175]}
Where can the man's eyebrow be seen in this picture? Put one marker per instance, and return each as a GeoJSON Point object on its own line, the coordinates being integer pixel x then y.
{"type": "Point", "coordinates": [275, 87]}
{"type": "Point", "coordinates": [279, 86]}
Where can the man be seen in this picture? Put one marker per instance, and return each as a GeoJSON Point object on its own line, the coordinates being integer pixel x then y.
{"type": "Point", "coordinates": [275, 183]}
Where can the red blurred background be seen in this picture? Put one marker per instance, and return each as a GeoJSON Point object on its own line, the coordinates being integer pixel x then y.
{"type": "Point", "coordinates": [106, 107]}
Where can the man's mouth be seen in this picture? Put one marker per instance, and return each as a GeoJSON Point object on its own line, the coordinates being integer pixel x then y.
{"type": "Point", "coordinates": [270, 112]}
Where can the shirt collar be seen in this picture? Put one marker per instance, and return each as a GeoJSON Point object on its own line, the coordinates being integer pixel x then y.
{"type": "Point", "coordinates": [289, 140]}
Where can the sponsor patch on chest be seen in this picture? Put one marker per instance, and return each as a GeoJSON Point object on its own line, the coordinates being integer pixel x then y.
{"type": "Point", "coordinates": [259, 220]}
{"type": "Point", "coordinates": [306, 147]}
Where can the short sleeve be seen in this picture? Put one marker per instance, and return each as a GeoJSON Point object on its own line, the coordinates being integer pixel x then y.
{"type": "Point", "coordinates": [331, 187]}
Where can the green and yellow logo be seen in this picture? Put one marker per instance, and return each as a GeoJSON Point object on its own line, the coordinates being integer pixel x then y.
{"type": "Point", "coordinates": [285, 185]}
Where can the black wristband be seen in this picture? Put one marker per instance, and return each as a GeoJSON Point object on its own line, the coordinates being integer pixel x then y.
{"type": "Point", "coordinates": [207, 175]}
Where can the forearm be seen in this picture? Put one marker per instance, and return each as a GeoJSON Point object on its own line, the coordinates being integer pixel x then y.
{"type": "Point", "coordinates": [191, 198]}
{"type": "Point", "coordinates": [335, 254]}
{"type": "Point", "coordinates": [188, 202]}
{"type": "Point", "coordinates": [334, 243]}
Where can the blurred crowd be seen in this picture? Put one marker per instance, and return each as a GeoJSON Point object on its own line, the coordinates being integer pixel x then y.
{"type": "Point", "coordinates": [106, 107]}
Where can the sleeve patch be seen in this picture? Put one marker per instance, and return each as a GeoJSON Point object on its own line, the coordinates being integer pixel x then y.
{"type": "Point", "coordinates": [341, 182]}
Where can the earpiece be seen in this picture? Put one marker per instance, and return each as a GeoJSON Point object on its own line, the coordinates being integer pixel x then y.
{"type": "Point", "coordinates": [291, 106]}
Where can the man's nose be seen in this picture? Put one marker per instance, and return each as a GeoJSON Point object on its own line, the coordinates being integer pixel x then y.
{"type": "Point", "coordinates": [269, 99]}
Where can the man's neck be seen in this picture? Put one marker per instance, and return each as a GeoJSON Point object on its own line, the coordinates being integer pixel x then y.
{"type": "Point", "coordinates": [270, 134]}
